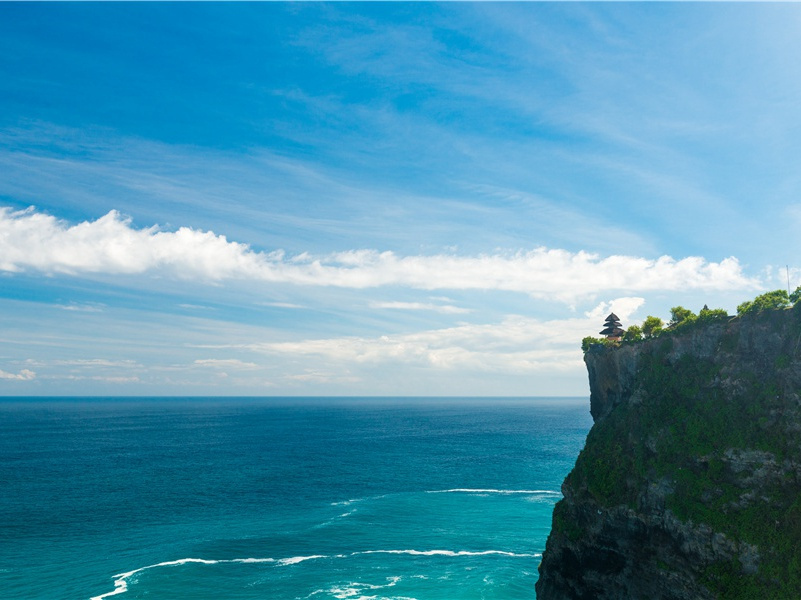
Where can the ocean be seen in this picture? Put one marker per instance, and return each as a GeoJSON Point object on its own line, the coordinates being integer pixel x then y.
{"type": "Point", "coordinates": [281, 498]}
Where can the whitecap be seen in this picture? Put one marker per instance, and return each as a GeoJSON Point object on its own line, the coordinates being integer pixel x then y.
{"type": "Point", "coordinates": [355, 590]}
{"type": "Point", "coordinates": [121, 579]}
{"type": "Point", "coordinates": [345, 502]}
{"type": "Point", "coordinates": [299, 559]}
{"type": "Point", "coordinates": [355, 500]}
{"type": "Point", "coordinates": [333, 520]}
{"type": "Point", "coordinates": [494, 491]}
{"type": "Point", "coordinates": [450, 553]}
{"type": "Point", "coordinates": [251, 560]}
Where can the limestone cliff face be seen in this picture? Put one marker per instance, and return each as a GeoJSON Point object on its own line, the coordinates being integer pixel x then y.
{"type": "Point", "coordinates": [689, 485]}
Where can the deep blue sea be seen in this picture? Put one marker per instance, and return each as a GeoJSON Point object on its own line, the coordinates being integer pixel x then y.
{"type": "Point", "coordinates": [308, 499]}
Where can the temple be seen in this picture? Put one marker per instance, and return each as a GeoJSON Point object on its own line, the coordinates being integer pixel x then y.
{"type": "Point", "coordinates": [612, 329]}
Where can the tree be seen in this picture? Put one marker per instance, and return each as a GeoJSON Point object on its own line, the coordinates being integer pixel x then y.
{"type": "Point", "coordinates": [651, 327]}
{"type": "Point", "coordinates": [590, 341]}
{"type": "Point", "coordinates": [633, 334]}
{"type": "Point", "coordinates": [680, 315]}
{"type": "Point", "coordinates": [796, 295]}
{"type": "Point", "coordinates": [767, 301]}
{"type": "Point", "coordinates": [711, 314]}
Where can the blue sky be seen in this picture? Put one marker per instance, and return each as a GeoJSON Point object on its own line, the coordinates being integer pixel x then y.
{"type": "Point", "coordinates": [380, 198]}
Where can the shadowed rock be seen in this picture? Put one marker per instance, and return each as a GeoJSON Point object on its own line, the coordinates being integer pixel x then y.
{"type": "Point", "coordinates": [689, 485]}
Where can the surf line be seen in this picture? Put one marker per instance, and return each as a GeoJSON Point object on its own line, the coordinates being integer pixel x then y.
{"type": "Point", "coordinates": [485, 491]}
{"type": "Point", "coordinates": [121, 579]}
{"type": "Point", "coordinates": [452, 553]}
{"type": "Point", "coordinates": [494, 491]}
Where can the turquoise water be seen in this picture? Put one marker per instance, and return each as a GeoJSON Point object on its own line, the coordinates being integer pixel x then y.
{"type": "Point", "coordinates": [422, 499]}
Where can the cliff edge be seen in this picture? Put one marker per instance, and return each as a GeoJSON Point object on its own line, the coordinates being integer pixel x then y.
{"type": "Point", "coordinates": [689, 484]}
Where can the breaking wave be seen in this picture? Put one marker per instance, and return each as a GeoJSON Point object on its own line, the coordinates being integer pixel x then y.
{"type": "Point", "coordinates": [121, 579]}
{"type": "Point", "coordinates": [494, 491]}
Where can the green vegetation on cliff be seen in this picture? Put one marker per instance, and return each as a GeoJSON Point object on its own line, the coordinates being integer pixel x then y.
{"type": "Point", "coordinates": [681, 318]}
{"type": "Point", "coordinates": [705, 431]}
{"type": "Point", "coordinates": [767, 301]}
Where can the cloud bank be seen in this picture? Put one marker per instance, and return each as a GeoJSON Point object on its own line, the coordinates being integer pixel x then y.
{"type": "Point", "coordinates": [517, 344]}
{"type": "Point", "coordinates": [502, 347]}
{"type": "Point", "coordinates": [34, 241]}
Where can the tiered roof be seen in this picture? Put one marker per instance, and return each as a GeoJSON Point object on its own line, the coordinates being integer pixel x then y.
{"type": "Point", "coordinates": [612, 328]}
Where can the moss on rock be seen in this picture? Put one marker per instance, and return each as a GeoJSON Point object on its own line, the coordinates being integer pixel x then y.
{"type": "Point", "coordinates": [691, 475]}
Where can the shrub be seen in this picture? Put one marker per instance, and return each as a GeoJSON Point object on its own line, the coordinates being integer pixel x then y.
{"type": "Point", "coordinates": [681, 316]}
{"type": "Point", "coordinates": [590, 341]}
{"type": "Point", "coordinates": [633, 334]}
{"type": "Point", "coordinates": [767, 301]}
{"type": "Point", "coordinates": [651, 327]}
{"type": "Point", "coordinates": [712, 314]}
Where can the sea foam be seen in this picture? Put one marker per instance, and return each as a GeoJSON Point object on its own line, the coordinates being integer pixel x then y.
{"type": "Point", "coordinates": [494, 491]}
{"type": "Point", "coordinates": [356, 589]}
{"type": "Point", "coordinates": [452, 553]}
{"type": "Point", "coordinates": [121, 579]}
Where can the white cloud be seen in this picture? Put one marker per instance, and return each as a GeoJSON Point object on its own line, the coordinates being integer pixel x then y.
{"type": "Point", "coordinates": [108, 379]}
{"type": "Point", "coordinates": [281, 304]}
{"type": "Point", "coordinates": [225, 363]}
{"type": "Point", "coordinates": [194, 306]}
{"type": "Point", "coordinates": [515, 345]}
{"type": "Point", "coordinates": [98, 362]}
{"type": "Point", "coordinates": [312, 376]}
{"type": "Point", "coordinates": [795, 277]}
{"type": "Point", "coordinates": [440, 308]}
{"type": "Point", "coordinates": [24, 375]}
{"type": "Point", "coordinates": [86, 307]}
{"type": "Point", "coordinates": [31, 240]}
{"type": "Point", "coordinates": [622, 307]}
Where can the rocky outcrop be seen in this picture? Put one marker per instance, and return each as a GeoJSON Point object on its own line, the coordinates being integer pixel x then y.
{"type": "Point", "coordinates": [689, 485]}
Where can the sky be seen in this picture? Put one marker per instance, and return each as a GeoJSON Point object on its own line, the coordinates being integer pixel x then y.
{"type": "Point", "coordinates": [381, 199]}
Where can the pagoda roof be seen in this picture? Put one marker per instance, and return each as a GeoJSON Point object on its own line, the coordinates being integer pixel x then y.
{"type": "Point", "coordinates": [612, 317]}
{"type": "Point", "coordinates": [612, 330]}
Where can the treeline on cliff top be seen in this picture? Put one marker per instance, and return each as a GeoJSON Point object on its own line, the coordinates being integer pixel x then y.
{"type": "Point", "coordinates": [681, 318]}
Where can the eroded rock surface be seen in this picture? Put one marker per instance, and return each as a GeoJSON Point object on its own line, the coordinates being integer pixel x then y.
{"type": "Point", "coordinates": [689, 485]}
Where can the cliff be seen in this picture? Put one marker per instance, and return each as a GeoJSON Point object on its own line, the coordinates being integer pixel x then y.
{"type": "Point", "coordinates": [689, 484]}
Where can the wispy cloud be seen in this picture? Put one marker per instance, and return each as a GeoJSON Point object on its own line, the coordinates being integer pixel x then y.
{"type": "Point", "coordinates": [23, 375]}
{"type": "Point", "coordinates": [315, 376]}
{"type": "Point", "coordinates": [515, 345]}
{"type": "Point", "coordinates": [282, 304]}
{"type": "Point", "coordinates": [194, 306]}
{"type": "Point", "coordinates": [225, 363]}
{"type": "Point", "coordinates": [447, 309]}
{"type": "Point", "coordinates": [103, 378]}
{"type": "Point", "coordinates": [84, 307]}
{"type": "Point", "coordinates": [793, 212]}
{"type": "Point", "coordinates": [98, 362]}
{"type": "Point", "coordinates": [34, 241]}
